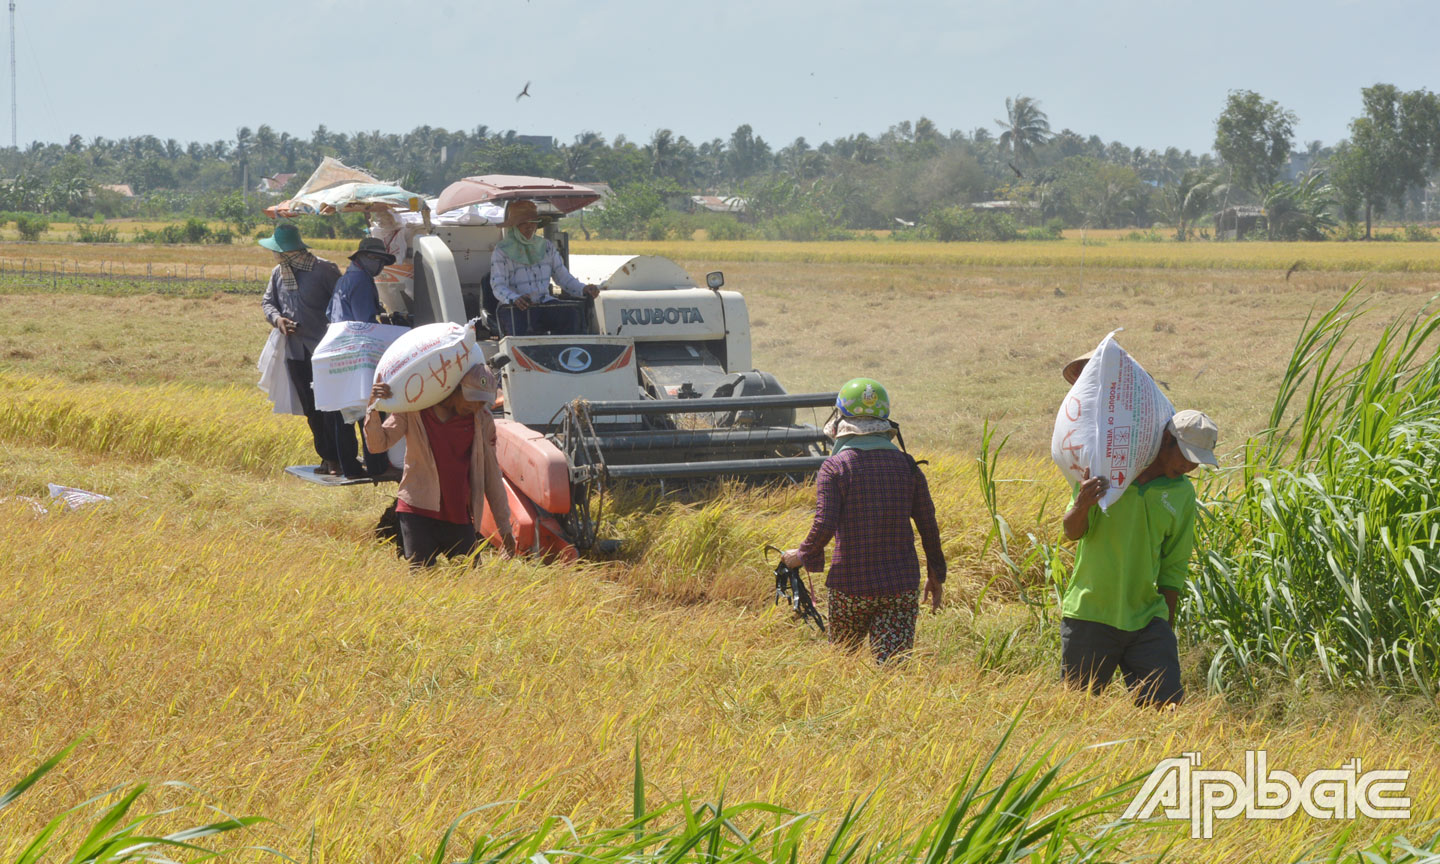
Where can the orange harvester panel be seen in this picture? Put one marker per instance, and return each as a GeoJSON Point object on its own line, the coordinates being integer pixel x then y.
{"type": "Point", "coordinates": [535, 465]}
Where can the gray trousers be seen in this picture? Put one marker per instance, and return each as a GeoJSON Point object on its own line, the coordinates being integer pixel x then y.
{"type": "Point", "coordinates": [1149, 659]}
{"type": "Point", "coordinates": [424, 539]}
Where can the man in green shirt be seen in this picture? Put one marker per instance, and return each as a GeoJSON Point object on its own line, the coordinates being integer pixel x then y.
{"type": "Point", "coordinates": [1130, 565]}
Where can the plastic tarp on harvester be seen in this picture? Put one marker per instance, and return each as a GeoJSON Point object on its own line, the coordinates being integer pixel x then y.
{"type": "Point", "coordinates": [336, 187]}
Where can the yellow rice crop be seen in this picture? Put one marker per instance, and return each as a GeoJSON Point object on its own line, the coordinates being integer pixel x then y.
{"type": "Point", "coordinates": [225, 626]}
{"type": "Point", "coordinates": [241, 634]}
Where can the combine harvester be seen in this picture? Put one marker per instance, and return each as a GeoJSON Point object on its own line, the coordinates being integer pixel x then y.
{"type": "Point", "coordinates": [660, 387]}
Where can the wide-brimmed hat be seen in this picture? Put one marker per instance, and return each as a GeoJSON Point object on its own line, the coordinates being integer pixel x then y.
{"type": "Point", "coordinates": [285, 239]}
{"type": "Point", "coordinates": [1070, 371]}
{"type": "Point", "coordinates": [520, 211]}
{"type": "Point", "coordinates": [1196, 436]}
{"type": "Point", "coordinates": [373, 246]}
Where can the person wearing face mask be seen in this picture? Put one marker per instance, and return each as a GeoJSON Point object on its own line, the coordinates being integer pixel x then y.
{"type": "Point", "coordinates": [357, 299]}
{"type": "Point", "coordinates": [294, 303]}
{"type": "Point", "coordinates": [521, 268]}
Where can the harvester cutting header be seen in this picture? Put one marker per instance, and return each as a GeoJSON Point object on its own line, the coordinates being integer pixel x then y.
{"type": "Point", "coordinates": [654, 380]}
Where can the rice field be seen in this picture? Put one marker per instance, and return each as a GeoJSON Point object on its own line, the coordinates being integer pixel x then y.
{"type": "Point", "coordinates": [1097, 251]}
{"type": "Point", "coordinates": [221, 626]}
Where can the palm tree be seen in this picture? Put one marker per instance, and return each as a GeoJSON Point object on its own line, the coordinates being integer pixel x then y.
{"type": "Point", "coordinates": [1189, 198]}
{"type": "Point", "coordinates": [579, 157]}
{"type": "Point", "coordinates": [1025, 128]}
{"type": "Point", "coordinates": [661, 151]}
{"type": "Point", "coordinates": [1299, 211]}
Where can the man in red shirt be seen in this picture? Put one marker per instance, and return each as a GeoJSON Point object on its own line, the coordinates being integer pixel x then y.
{"type": "Point", "coordinates": [867, 493]}
{"type": "Point", "coordinates": [450, 469]}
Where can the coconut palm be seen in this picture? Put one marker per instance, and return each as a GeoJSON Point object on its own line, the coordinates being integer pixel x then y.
{"type": "Point", "coordinates": [1025, 128]}
{"type": "Point", "coordinates": [1189, 198]}
{"type": "Point", "coordinates": [1299, 211]}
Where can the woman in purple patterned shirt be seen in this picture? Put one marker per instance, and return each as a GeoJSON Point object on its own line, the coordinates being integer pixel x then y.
{"type": "Point", "coordinates": [867, 494]}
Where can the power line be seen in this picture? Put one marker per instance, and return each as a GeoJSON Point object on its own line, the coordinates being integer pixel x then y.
{"type": "Point", "coordinates": [14, 126]}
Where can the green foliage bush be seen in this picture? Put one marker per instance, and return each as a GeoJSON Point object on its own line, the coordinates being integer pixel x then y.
{"type": "Point", "coordinates": [98, 233]}
{"type": "Point", "coordinates": [802, 226]}
{"type": "Point", "coordinates": [637, 212]}
{"type": "Point", "coordinates": [192, 231]}
{"type": "Point", "coordinates": [951, 224]}
{"type": "Point", "coordinates": [31, 226]}
{"type": "Point", "coordinates": [717, 226]}
{"type": "Point", "coordinates": [1419, 234]}
{"type": "Point", "coordinates": [1052, 230]}
{"type": "Point", "coordinates": [1149, 235]}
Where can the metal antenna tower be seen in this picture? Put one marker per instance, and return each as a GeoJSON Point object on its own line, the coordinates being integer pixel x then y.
{"type": "Point", "coordinates": [14, 132]}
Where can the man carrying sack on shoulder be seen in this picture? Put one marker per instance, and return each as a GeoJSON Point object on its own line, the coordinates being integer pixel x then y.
{"type": "Point", "coordinates": [1131, 563]}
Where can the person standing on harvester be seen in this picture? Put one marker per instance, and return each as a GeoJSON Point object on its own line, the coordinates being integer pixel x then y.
{"type": "Point", "coordinates": [357, 299]}
{"type": "Point", "coordinates": [867, 493]}
{"type": "Point", "coordinates": [295, 301]}
{"type": "Point", "coordinates": [1131, 563]}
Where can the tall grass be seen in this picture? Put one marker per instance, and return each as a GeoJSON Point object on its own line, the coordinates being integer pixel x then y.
{"type": "Point", "coordinates": [1035, 811]}
{"type": "Point", "coordinates": [119, 832]}
{"type": "Point", "coordinates": [1324, 559]}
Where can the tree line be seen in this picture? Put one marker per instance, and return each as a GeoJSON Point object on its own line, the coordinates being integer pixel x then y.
{"type": "Point", "coordinates": [911, 174]}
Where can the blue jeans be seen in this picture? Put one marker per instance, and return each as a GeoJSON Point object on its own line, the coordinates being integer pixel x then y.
{"type": "Point", "coordinates": [1090, 652]}
{"type": "Point", "coordinates": [556, 318]}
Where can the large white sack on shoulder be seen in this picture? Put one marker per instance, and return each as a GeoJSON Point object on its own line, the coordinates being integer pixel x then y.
{"type": "Point", "coordinates": [344, 363]}
{"type": "Point", "coordinates": [1111, 421]}
{"type": "Point", "coordinates": [426, 365]}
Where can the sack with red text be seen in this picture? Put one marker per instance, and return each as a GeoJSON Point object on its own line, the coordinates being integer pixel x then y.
{"type": "Point", "coordinates": [1111, 421]}
{"type": "Point", "coordinates": [425, 365]}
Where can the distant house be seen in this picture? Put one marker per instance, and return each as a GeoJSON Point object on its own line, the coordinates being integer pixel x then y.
{"type": "Point", "coordinates": [1233, 223]}
{"type": "Point", "coordinates": [606, 193]}
{"type": "Point", "coordinates": [121, 189]}
{"type": "Point", "coordinates": [274, 185]}
{"type": "Point", "coordinates": [717, 204]}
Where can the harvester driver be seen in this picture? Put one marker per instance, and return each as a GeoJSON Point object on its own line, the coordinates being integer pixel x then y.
{"type": "Point", "coordinates": [521, 268]}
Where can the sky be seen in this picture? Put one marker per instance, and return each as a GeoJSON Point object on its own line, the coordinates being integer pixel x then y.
{"type": "Point", "coordinates": [1153, 74]}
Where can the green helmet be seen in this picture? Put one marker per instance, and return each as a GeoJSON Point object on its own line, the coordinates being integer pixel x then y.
{"type": "Point", "coordinates": [863, 397]}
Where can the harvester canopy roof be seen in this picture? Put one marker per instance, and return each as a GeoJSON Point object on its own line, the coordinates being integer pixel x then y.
{"type": "Point", "coordinates": [336, 187]}
{"type": "Point", "coordinates": [498, 188]}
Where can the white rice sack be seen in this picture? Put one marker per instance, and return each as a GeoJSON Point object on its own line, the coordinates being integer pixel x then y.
{"type": "Point", "coordinates": [1111, 421]}
{"type": "Point", "coordinates": [426, 365]}
{"type": "Point", "coordinates": [344, 363]}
